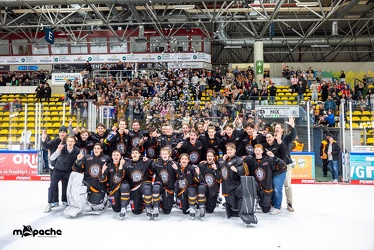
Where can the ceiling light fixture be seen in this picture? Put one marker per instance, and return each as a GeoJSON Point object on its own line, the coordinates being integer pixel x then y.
{"type": "Point", "coordinates": [233, 47]}
{"type": "Point", "coordinates": [307, 4]}
{"type": "Point", "coordinates": [320, 46]}
{"type": "Point", "coordinates": [184, 7]}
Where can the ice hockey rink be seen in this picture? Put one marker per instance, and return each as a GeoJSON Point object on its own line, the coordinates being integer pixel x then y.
{"type": "Point", "coordinates": [335, 216]}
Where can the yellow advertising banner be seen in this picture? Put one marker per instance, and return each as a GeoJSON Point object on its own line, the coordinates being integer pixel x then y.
{"type": "Point", "coordinates": [304, 166]}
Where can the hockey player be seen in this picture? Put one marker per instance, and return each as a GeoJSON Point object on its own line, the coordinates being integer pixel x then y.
{"type": "Point", "coordinates": [84, 142]}
{"type": "Point", "coordinates": [261, 167]}
{"type": "Point", "coordinates": [251, 138]}
{"type": "Point", "coordinates": [232, 168]}
{"type": "Point", "coordinates": [118, 192]}
{"type": "Point", "coordinates": [138, 174]}
{"type": "Point", "coordinates": [229, 135]}
{"type": "Point", "coordinates": [169, 139]}
{"type": "Point", "coordinates": [136, 137]}
{"type": "Point", "coordinates": [90, 166]}
{"type": "Point", "coordinates": [212, 178]}
{"type": "Point", "coordinates": [151, 144]}
{"type": "Point", "coordinates": [193, 147]}
{"type": "Point", "coordinates": [118, 140]}
{"type": "Point", "coordinates": [167, 172]}
{"type": "Point", "coordinates": [214, 142]}
{"type": "Point", "coordinates": [190, 188]}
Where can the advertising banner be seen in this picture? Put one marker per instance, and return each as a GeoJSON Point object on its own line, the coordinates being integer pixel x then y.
{"type": "Point", "coordinates": [271, 111]}
{"type": "Point", "coordinates": [20, 165]}
{"type": "Point", "coordinates": [362, 168]}
{"type": "Point", "coordinates": [107, 58]}
{"type": "Point", "coordinates": [304, 170]}
{"type": "Point", "coordinates": [61, 78]}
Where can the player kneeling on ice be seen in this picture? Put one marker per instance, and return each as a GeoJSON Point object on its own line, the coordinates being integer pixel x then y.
{"type": "Point", "coordinates": [85, 192]}
{"type": "Point", "coordinates": [137, 174]}
{"type": "Point", "coordinates": [190, 188]}
{"type": "Point", "coordinates": [212, 178]}
{"type": "Point", "coordinates": [238, 188]}
{"type": "Point", "coordinates": [112, 175]}
{"type": "Point", "coordinates": [261, 166]}
{"type": "Point", "coordinates": [167, 172]}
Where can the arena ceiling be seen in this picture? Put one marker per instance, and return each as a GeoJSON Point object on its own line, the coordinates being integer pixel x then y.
{"type": "Point", "coordinates": [291, 30]}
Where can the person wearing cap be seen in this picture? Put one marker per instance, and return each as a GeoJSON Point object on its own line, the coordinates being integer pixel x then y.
{"type": "Point", "coordinates": [52, 146]}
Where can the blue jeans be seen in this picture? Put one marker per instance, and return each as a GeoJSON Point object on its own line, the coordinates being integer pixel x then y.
{"type": "Point", "coordinates": [272, 100]}
{"type": "Point", "coordinates": [278, 181]}
{"type": "Point", "coordinates": [334, 169]}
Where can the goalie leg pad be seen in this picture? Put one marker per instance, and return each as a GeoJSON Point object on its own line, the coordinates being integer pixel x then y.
{"type": "Point", "coordinates": [248, 201]}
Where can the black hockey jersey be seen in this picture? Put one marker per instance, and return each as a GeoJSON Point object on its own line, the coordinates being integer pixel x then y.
{"type": "Point", "coordinates": [187, 178]}
{"type": "Point", "coordinates": [212, 178]}
{"type": "Point", "coordinates": [137, 172]}
{"type": "Point", "coordinates": [91, 166]}
{"type": "Point", "coordinates": [231, 179]}
{"type": "Point", "coordinates": [112, 177]}
{"type": "Point", "coordinates": [166, 174]}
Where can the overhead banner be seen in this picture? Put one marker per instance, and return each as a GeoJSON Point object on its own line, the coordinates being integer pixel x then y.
{"type": "Point", "coordinates": [304, 170]}
{"type": "Point", "coordinates": [272, 111]}
{"type": "Point", "coordinates": [61, 78]}
{"type": "Point", "coordinates": [362, 168]}
{"type": "Point", "coordinates": [107, 58]}
{"type": "Point", "coordinates": [20, 165]}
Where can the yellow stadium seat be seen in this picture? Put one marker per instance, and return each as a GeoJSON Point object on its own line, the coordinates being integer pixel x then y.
{"type": "Point", "coordinates": [357, 112]}
{"type": "Point", "coordinates": [365, 112]}
{"type": "Point", "coordinates": [365, 118]}
{"type": "Point", "coordinates": [370, 141]}
{"type": "Point", "coordinates": [355, 125]}
{"type": "Point", "coordinates": [355, 118]}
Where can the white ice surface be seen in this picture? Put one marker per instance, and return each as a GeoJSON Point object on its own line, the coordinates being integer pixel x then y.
{"type": "Point", "coordinates": [326, 217]}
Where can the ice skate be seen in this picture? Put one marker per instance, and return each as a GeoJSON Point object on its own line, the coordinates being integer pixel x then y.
{"type": "Point", "coordinates": [148, 213]}
{"type": "Point", "coordinates": [122, 214]}
{"type": "Point", "coordinates": [202, 213]}
{"type": "Point", "coordinates": [155, 213]}
{"type": "Point", "coordinates": [192, 212]}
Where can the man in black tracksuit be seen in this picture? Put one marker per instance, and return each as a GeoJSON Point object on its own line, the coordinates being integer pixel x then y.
{"type": "Point", "coordinates": [52, 146]}
{"type": "Point", "coordinates": [66, 156]}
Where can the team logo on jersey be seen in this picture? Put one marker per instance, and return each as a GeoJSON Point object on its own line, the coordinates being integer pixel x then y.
{"type": "Point", "coordinates": [164, 176]}
{"type": "Point", "coordinates": [121, 147]}
{"type": "Point", "coordinates": [151, 152]}
{"type": "Point", "coordinates": [182, 184]}
{"type": "Point", "coordinates": [116, 179]}
{"type": "Point", "coordinates": [136, 176]}
{"type": "Point", "coordinates": [260, 174]}
{"type": "Point", "coordinates": [249, 149]}
{"type": "Point", "coordinates": [224, 173]}
{"type": "Point", "coordinates": [194, 157]}
{"type": "Point", "coordinates": [135, 141]}
{"type": "Point", "coordinates": [209, 179]}
{"type": "Point", "coordinates": [237, 138]}
{"type": "Point", "coordinates": [94, 170]}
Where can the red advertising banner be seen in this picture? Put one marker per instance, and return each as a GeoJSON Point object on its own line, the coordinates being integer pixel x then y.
{"type": "Point", "coordinates": [20, 165]}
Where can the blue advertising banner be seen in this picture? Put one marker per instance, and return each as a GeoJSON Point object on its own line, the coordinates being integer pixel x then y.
{"type": "Point", "coordinates": [362, 168]}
